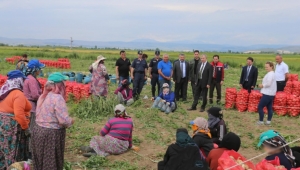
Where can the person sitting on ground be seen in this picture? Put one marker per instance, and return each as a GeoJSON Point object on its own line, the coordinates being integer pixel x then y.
{"type": "Point", "coordinates": [115, 137]}
{"type": "Point", "coordinates": [230, 142]}
{"type": "Point", "coordinates": [202, 135]}
{"type": "Point", "coordinates": [275, 145]}
{"type": "Point", "coordinates": [124, 93]}
{"type": "Point", "coordinates": [216, 124]}
{"type": "Point", "coordinates": [166, 100]}
{"type": "Point", "coordinates": [184, 154]}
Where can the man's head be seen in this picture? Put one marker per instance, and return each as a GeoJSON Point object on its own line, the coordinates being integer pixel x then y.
{"type": "Point", "coordinates": [203, 58]}
{"type": "Point", "coordinates": [181, 57]}
{"type": "Point", "coordinates": [157, 53]}
{"type": "Point", "coordinates": [216, 58]}
{"type": "Point", "coordinates": [250, 61]}
{"type": "Point", "coordinates": [278, 58]}
{"type": "Point", "coordinates": [122, 54]}
{"type": "Point", "coordinates": [24, 56]}
{"type": "Point", "coordinates": [196, 54]}
{"type": "Point", "coordinates": [166, 57]}
{"type": "Point", "coordinates": [140, 54]}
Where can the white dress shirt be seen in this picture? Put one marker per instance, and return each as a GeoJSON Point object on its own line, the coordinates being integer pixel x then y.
{"type": "Point", "coordinates": [269, 84]}
{"type": "Point", "coordinates": [182, 65]}
{"type": "Point", "coordinates": [280, 71]}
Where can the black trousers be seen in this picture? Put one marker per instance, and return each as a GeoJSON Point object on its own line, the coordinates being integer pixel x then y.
{"type": "Point", "coordinates": [280, 85]}
{"type": "Point", "coordinates": [247, 86]}
{"type": "Point", "coordinates": [154, 82]}
{"type": "Point", "coordinates": [181, 86]}
{"type": "Point", "coordinates": [138, 83]}
{"type": "Point", "coordinates": [217, 85]}
{"type": "Point", "coordinates": [200, 91]}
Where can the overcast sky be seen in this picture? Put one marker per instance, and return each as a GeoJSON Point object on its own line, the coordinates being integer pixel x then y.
{"type": "Point", "coordinates": [235, 22]}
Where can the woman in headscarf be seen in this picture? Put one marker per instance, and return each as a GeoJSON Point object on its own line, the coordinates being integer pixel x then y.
{"type": "Point", "coordinates": [230, 142]}
{"type": "Point", "coordinates": [184, 154]}
{"type": "Point", "coordinates": [99, 86]}
{"type": "Point", "coordinates": [124, 93]}
{"type": "Point", "coordinates": [202, 135]}
{"type": "Point", "coordinates": [216, 124]}
{"type": "Point", "coordinates": [52, 119]}
{"type": "Point", "coordinates": [14, 120]}
{"type": "Point", "coordinates": [275, 145]}
{"type": "Point", "coordinates": [115, 137]}
{"type": "Point", "coordinates": [166, 100]}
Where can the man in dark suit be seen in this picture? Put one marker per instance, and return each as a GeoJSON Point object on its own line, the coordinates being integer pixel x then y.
{"type": "Point", "coordinates": [181, 77]}
{"type": "Point", "coordinates": [249, 75]}
{"type": "Point", "coordinates": [202, 81]}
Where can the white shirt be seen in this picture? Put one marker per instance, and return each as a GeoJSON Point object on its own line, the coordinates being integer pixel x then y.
{"type": "Point", "coordinates": [183, 68]}
{"type": "Point", "coordinates": [280, 71]}
{"type": "Point", "coordinates": [269, 84]}
{"type": "Point", "coordinates": [201, 69]}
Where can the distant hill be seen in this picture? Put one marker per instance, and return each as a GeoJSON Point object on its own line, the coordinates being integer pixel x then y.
{"type": "Point", "coordinates": [150, 44]}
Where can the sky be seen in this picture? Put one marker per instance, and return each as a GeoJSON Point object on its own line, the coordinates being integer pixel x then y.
{"type": "Point", "coordinates": [231, 22]}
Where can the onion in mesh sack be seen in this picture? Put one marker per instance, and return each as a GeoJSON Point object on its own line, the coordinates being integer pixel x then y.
{"type": "Point", "coordinates": [279, 105]}
{"type": "Point", "coordinates": [230, 97]}
{"type": "Point", "coordinates": [242, 100]}
{"type": "Point", "coordinates": [293, 105]}
{"type": "Point", "coordinates": [254, 99]}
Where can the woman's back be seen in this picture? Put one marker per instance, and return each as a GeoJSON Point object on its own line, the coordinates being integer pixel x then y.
{"type": "Point", "coordinates": [120, 128]}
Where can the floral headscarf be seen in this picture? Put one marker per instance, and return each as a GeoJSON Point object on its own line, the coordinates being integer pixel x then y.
{"type": "Point", "coordinates": [9, 85]}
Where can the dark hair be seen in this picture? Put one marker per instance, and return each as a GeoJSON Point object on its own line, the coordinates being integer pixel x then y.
{"type": "Point", "coordinates": [182, 130]}
{"type": "Point", "coordinates": [250, 58]}
{"type": "Point", "coordinates": [270, 64]}
{"type": "Point", "coordinates": [196, 51]}
{"type": "Point", "coordinates": [144, 56]}
{"type": "Point", "coordinates": [122, 51]}
{"type": "Point", "coordinates": [216, 56]}
{"type": "Point", "coordinates": [24, 55]}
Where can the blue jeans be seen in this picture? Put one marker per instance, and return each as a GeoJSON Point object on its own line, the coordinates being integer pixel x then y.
{"type": "Point", "coordinates": [122, 78]}
{"type": "Point", "coordinates": [267, 101]}
{"type": "Point", "coordinates": [161, 82]}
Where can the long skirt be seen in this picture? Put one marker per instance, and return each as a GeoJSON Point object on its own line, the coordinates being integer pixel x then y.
{"type": "Point", "coordinates": [48, 147]}
{"type": "Point", "coordinates": [31, 125]}
{"type": "Point", "coordinates": [13, 142]}
{"type": "Point", "coordinates": [106, 145]}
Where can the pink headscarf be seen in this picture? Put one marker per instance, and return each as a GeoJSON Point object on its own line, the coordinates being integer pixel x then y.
{"type": "Point", "coordinates": [57, 88]}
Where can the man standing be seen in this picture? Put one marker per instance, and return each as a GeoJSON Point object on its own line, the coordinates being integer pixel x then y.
{"type": "Point", "coordinates": [202, 81]}
{"type": "Point", "coordinates": [165, 71]}
{"type": "Point", "coordinates": [122, 67]}
{"type": "Point", "coordinates": [193, 70]}
{"type": "Point", "coordinates": [138, 74]}
{"type": "Point", "coordinates": [281, 73]}
{"type": "Point", "coordinates": [153, 72]}
{"type": "Point", "coordinates": [218, 79]}
{"type": "Point", "coordinates": [249, 75]}
{"type": "Point", "coordinates": [180, 77]}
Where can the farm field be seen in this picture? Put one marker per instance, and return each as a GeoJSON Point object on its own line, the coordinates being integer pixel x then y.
{"type": "Point", "coordinates": [154, 130]}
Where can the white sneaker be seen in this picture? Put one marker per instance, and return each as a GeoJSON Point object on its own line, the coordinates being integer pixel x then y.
{"type": "Point", "coordinates": [268, 123]}
{"type": "Point", "coordinates": [260, 123]}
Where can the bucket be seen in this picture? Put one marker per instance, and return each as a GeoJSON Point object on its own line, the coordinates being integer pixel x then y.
{"type": "Point", "coordinates": [65, 73]}
{"type": "Point", "coordinates": [90, 75]}
{"type": "Point", "coordinates": [72, 79]}
{"type": "Point", "coordinates": [86, 80]}
{"type": "Point", "coordinates": [113, 80]}
{"type": "Point", "coordinates": [71, 74]}
{"type": "Point", "coordinates": [79, 77]}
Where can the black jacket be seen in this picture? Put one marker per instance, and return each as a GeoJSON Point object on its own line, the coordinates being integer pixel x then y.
{"type": "Point", "coordinates": [218, 132]}
{"type": "Point", "coordinates": [177, 73]}
{"type": "Point", "coordinates": [206, 74]}
{"type": "Point", "coordinates": [252, 78]}
{"type": "Point", "coordinates": [204, 143]}
{"type": "Point", "coordinates": [179, 158]}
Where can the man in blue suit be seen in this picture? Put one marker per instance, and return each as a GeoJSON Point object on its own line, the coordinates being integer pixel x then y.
{"type": "Point", "coordinates": [249, 75]}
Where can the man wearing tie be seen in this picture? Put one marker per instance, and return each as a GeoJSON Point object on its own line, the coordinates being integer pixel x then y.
{"type": "Point", "coordinates": [202, 81]}
{"type": "Point", "coordinates": [181, 77]}
{"type": "Point", "coordinates": [249, 75]}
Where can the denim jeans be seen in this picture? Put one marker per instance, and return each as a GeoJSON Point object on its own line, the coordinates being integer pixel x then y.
{"type": "Point", "coordinates": [267, 101]}
{"type": "Point", "coordinates": [163, 106]}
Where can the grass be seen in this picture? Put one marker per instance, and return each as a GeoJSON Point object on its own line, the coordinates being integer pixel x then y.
{"type": "Point", "coordinates": [153, 130]}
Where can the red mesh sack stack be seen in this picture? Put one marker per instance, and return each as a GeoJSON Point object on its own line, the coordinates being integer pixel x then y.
{"type": "Point", "coordinates": [76, 91]}
{"type": "Point", "coordinates": [279, 105]}
{"type": "Point", "coordinates": [230, 97]}
{"type": "Point", "coordinates": [293, 77]}
{"type": "Point", "coordinates": [289, 87]}
{"type": "Point", "coordinates": [296, 88]}
{"type": "Point", "coordinates": [254, 99]}
{"type": "Point", "coordinates": [85, 91]}
{"type": "Point", "coordinates": [293, 105]}
{"type": "Point", "coordinates": [69, 89]}
{"type": "Point", "coordinates": [242, 100]}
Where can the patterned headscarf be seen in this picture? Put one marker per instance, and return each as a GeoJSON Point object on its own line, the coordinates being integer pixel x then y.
{"type": "Point", "coordinates": [9, 85]}
{"type": "Point", "coordinates": [31, 71]}
{"type": "Point", "coordinates": [200, 125]}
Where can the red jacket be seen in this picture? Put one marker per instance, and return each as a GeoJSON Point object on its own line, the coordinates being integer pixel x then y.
{"type": "Point", "coordinates": [218, 71]}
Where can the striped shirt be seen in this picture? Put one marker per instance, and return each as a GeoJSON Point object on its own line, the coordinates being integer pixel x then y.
{"type": "Point", "coordinates": [119, 128]}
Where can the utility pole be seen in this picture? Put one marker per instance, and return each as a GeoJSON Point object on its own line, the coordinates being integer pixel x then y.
{"type": "Point", "coordinates": [71, 43]}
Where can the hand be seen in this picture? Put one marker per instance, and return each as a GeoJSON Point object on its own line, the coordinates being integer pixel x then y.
{"type": "Point", "coordinates": [132, 77]}
{"type": "Point", "coordinates": [135, 148]}
{"type": "Point", "coordinates": [145, 77]}
{"type": "Point", "coordinates": [168, 103]}
{"type": "Point", "coordinates": [152, 98]}
{"type": "Point", "coordinates": [221, 82]}
{"type": "Point", "coordinates": [117, 77]}
{"type": "Point", "coordinates": [260, 86]}
{"type": "Point", "coordinates": [208, 86]}
{"type": "Point", "coordinates": [241, 85]}
{"type": "Point", "coordinates": [252, 87]}
{"type": "Point", "coordinates": [164, 101]}
{"type": "Point", "coordinates": [168, 78]}
{"type": "Point", "coordinates": [27, 132]}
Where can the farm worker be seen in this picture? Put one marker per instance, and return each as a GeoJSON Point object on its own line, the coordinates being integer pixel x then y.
{"type": "Point", "coordinates": [216, 124]}
{"type": "Point", "coordinates": [230, 142]}
{"type": "Point", "coordinates": [166, 100]}
{"type": "Point", "coordinates": [99, 86]}
{"type": "Point", "coordinates": [193, 70]}
{"type": "Point", "coordinates": [138, 74]}
{"type": "Point", "coordinates": [14, 120]}
{"type": "Point", "coordinates": [165, 71]}
{"type": "Point", "coordinates": [52, 119]}
{"type": "Point", "coordinates": [202, 81]}
{"type": "Point", "coordinates": [218, 79]}
{"type": "Point", "coordinates": [181, 77]}
{"type": "Point", "coordinates": [122, 67]}
{"type": "Point", "coordinates": [115, 137]}
{"type": "Point", "coordinates": [268, 90]}
{"type": "Point", "coordinates": [22, 64]}
{"type": "Point", "coordinates": [124, 93]}
{"type": "Point", "coordinates": [249, 75]}
{"type": "Point", "coordinates": [202, 135]}
{"type": "Point", "coordinates": [183, 154]}
{"type": "Point", "coordinates": [281, 73]}
{"type": "Point", "coordinates": [153, 73]}
{"type": "Point", "coordinates": [275, 145]}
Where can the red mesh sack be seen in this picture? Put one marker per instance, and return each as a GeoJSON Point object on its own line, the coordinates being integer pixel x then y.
{"type": "Point", "coordinates": [254, 99]}
{"type": "Point", "coordinates": [231, 158]}
{"type": "Point", "coordinates": [76, 91]}
{"type": "Point", "coordinates": [270, 165]}
{"type": "Point", "coordinates": [85, 91]}
{"type": "Point", "coordinates": [296, 88]}
{"type": "Point", "coordinates": [242, 100]}
{"type": "Point", "coordinates": [293, 105]}
{"type": "Point", "coordinates": [2, 80]}
{"type": "Point", "coordinates": [289, 87]}
{"type": "Point", "coordinates": [293, 77]}
{"type": "Point", "coordinates": [69, 89]}
{"type": "Point", "coordinates": [279, 105]}
{"type": "Point", "coordinates": [43, 82]}
{"type": "Point", "coordinates": [230, 97]}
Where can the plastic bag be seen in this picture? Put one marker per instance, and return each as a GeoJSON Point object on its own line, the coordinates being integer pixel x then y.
{"type": "Point", "coordinates": [230, 158]}
{"type": "Point", "coordinates": [270, 165]}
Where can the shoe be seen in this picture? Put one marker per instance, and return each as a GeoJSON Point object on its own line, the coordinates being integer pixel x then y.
{"type": "Point", "coordinates": [89, 154]}
{"type": "Point", "coordinates": [192, 108]}
{"type": "Point", "coordinates": [268, 123]}
{"type": "Point", "coordinates": [86, 149]}
{"type": "Point", "coordinates": [202, 110]}
{"type": "Point", "coordinates": [260, 123]}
